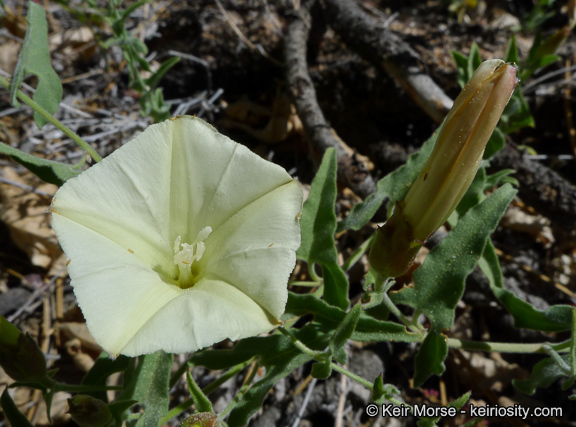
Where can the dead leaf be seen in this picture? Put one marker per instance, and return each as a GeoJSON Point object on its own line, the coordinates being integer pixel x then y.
{"type": "Point", "coordinates": [25, 215]}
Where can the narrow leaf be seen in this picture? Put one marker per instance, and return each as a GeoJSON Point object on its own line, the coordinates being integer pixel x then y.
{"type": "Point", "coordinates": [430, 358]}
{"type": "Point", "coordinates": [150, 387]}
{"type": "Point", "coordinates": [439, 282]}
{"type": "Point", "coordinates": [345, 329]}
{"type": "Point", "coordinates": [277, 354]}
{"type": "Point", "coordinates": [47, 170]}
{"type": "Point", "coordinates": [555, 319]}
{"type": "Point", "coordinates": [329, 317]}
{"type": "Point", "coordinates": [34, 58]}
{"type": "Point", "coordinates": [202, 403]}
{"type": "Point", "coordinates": [11, 411]}
{"type": "Point", "coordinates": [543, 375]}
{"type": "Point", "coordinates": [393, 186]}
{"type": "Point", "coordinates": [318, 225]}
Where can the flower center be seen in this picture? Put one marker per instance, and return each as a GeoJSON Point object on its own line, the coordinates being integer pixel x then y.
{"type": "Point", "coordinates": [185, 255]}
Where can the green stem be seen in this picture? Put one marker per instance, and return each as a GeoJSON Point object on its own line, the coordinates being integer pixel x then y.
{"type": "Point", "coordinates": [307, 283]}
{"type": "Point", "coordinates": [313, 274]}
{"type": "Point", "coordinates": [316, 355]}
{"type": "Point", "coordinates": [49, 118]}
{"type": "Point", "coordinates": [177, 410]}
{"type": "Point", "coordinates": [365, 383]}
{"type": "Point", "coordinates": [243, 390]}
{"type": "Point", "coordinates": [78, 388]}
{"type": "Point", "coordinates": [352, 375]}
{"type": "Point", "coordinates": [503, 347]}
{"type": "Point", "coordinates": [358, 253]}
{"type": "Point", "coordinates": [381, 286]}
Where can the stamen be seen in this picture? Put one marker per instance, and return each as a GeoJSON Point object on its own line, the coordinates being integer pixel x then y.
{"type": "Point", "coordinates": [185, 255]}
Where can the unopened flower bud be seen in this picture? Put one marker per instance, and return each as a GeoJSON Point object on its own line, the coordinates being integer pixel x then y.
{"type": "Point", "coordinates": [202, 419]}
{"type": "Point", "coordinates": [88, 411]}
{"type": "Point", "coordinates": [448, 172]}
{"type": "Point", "coordinates": [20, 356]}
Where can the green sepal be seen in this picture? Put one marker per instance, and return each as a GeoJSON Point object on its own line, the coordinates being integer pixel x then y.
{"type": "Point", "coordinates": [321, 370]}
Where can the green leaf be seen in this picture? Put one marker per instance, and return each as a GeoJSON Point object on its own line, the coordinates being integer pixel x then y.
{"type": "Point", "coordinates": [102, 369]}
{"type": "Point", "coordinates": [11, 411]}
{"type": "Point", "coordinates": [155, 78]}
{"type": "Point", "coordinates": [474, 60]}
{"type": "Point", "coordinates": [473, 197]}
{"type": "Point", "coordinates": [394, 186]}
{"type": "Point", "coordinates": [439, 282]}
{"type": "Point", "coordinates": [500, 178]}
{"type": "Point", "coordinates": [496, 143]}
{"type": "Point", "coordinates": [34, 58]}
{"type": "Point", "coordinates": [329, 317]}
{"type": "Point", "coordinates": [555, 319]}
{"type": "Point", "coordinates": [543, 375]}
{"type": "Point", "coordinates": [345, 328]}
{"type": "Point", "coordinates": [318, 226]}
{"type": "Point", "coordinates": [382, 392]}
{"type": "Point", "coordinates": [430, 358]}
{"type": "Point", "coordinates": [461, 62]}
{"type": "Point", "coordinates": [516, 115]}
{"type": "Point", "coordinates": [47, 170]}
{"type": "Point", "coordinates": [119, 408]}
{"type": "Point", "coordinates": [202, 403]}
{"type": "Point", "coordinates": [150, 388]}
{"type": "Point", "coordinates": [511, 54]}
{"type": "Point", "coordinates": [276, 353]}
{"type": "Point", "coordinates": [458, 403]}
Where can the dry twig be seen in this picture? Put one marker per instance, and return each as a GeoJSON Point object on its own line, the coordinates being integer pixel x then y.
{"type": "Point", "coordinates": [383, 48]}
{"type": "Point", "coordinates": [352, 171]}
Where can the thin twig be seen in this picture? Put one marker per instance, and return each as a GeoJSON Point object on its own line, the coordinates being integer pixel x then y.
{"type": "Point", "coordinates": [352, 171]}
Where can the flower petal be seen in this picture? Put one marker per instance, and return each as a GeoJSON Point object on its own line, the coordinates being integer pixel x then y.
{"type": "Point", "coordinates": [254, 250]}
{"type": "Point", "coordinates": [124, 198]}
{"type": "Point", "coordinates": [221, 177]}
{"type": "Point", "coordinates": [209, 312]}
{"type": "Point", "coordinates": [118, 292]}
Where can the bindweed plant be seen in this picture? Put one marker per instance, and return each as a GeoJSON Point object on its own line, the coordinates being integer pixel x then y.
{"type": "Point", "coordinates": [183, 238]}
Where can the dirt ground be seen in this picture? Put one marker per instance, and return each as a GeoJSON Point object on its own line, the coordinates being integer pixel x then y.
{"type": "Point", "coordinates": [233, 73]}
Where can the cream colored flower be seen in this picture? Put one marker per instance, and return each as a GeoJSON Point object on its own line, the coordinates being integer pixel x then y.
{"type": "Point", "coordinates": [178, 240]}
{"type": "Point", "coordinates": [448, 172]}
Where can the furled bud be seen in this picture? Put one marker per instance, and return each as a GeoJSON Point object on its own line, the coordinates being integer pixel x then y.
{"type": "Point", "coordinates": [448, 172]}
{"type": "Point", "coordinates": [87, 411]}
{"type": "Point", "coordinates": [20, 356]}
{"type": "Point", "coordinates": [202, 419]}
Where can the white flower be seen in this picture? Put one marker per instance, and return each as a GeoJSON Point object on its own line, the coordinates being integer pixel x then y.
{"type": "Point", "coordinates": [178, 240]}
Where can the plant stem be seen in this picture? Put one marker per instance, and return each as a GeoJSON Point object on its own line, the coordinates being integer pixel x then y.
{"type": "Point", "coordinates": [358, 253]}
{"type": "Point", "coordinates": [381, 286]}
{"type": "Point", "coordinates": [503, 347]}
{"type": "Point", "coordinates": [352, 375]}
{"type": "Point", "coordinates": [59, 125]}
{"type": "Point", "coordinates": [316, 355]}
{"type": "Point", "coordinates": [247, 384]}
{"type": "Point", "coordinates": [364, 382]}
{"type": "Point", "coordinates": [307, 283]}
{"type": "Point", "coordinates": [313, 274]}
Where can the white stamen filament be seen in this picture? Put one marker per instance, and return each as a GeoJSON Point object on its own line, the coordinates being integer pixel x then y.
{"type": "Point", "coordinates": [185, 255]}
